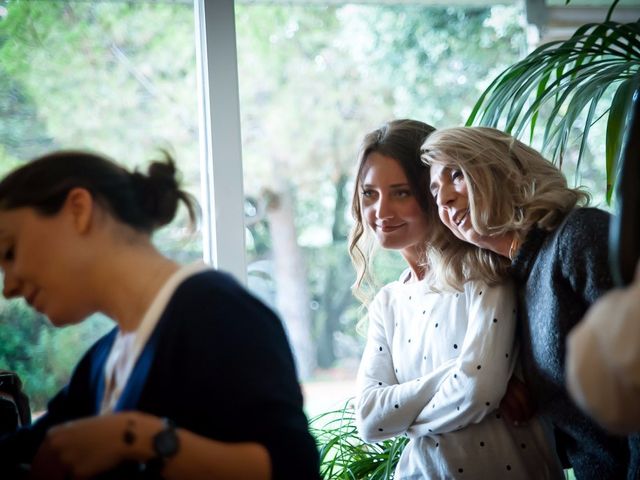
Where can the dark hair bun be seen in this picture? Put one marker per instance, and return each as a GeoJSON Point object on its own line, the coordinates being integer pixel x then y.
{"type": "Point", "coordinates": [158, 192]}
{"type": "Point", "coordinates": [142, 201]}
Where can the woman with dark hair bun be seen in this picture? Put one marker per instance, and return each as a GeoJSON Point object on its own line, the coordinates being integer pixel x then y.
{"type": "Point", "coordinates": [195, 381]}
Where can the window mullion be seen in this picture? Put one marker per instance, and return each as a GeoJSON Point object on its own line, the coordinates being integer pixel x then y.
{"type": "Point", "coordinates": [220, 140]}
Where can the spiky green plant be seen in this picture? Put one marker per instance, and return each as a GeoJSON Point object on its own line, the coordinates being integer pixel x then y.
{"type": "Point", "coordinates": [344, 456]}
{"type": "Point", "coordinates": [568, 78]}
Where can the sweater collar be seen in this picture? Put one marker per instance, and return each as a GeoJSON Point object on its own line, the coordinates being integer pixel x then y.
{"type": "Point", "coordinates": [527, 254]}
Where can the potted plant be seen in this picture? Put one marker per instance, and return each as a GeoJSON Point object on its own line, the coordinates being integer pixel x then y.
{"type": "Point", "coordinates": [344, 456]}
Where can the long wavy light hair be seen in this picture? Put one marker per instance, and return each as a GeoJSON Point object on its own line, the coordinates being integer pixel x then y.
{"type": "Point", "coordinates": [511, 188]}
{"type": "Point", "coordinates": [400, 140]}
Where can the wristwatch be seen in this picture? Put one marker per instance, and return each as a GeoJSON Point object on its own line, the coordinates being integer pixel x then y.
{"type": "Point", "coordinates": [165, 445]}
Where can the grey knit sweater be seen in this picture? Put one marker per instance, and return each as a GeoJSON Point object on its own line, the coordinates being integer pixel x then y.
{"type": "Point", "coordinates": [558, 275]}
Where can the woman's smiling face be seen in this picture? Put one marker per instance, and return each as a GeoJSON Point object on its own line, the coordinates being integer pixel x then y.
{"type": "Point", "coordinates": [389, 206]}
{"type": "Point", "coordinates": [449, 189]}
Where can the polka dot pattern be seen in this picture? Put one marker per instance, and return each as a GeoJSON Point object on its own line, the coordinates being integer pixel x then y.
{"type": "Point", "coordinates": [418, 345]}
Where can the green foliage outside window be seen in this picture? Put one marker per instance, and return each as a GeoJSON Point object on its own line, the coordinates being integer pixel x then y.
{"type": "Point", "coordinates": [120, 78]}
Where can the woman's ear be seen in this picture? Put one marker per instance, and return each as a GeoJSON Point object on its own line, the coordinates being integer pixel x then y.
{"type": "Point", "coordinates": [80, 206]}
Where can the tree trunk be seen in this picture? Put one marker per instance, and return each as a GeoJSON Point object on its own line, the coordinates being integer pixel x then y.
{"type": "Point", "coordinates": [336, 292]}
{"type": "Point", "coordinates": [292, 294]}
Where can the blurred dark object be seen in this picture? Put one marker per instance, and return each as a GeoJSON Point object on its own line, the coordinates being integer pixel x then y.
{"type": "Point", "coordinates": [624, 233]}
{"type": "Point", "coordinates": [14, 404]}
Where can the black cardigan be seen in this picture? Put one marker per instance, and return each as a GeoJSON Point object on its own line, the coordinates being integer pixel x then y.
{"type": "Point", "coordinates": [558, 275]}
{"type": "Point", "coordinates": [218, 363]}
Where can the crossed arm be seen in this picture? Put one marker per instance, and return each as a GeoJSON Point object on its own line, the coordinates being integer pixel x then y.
{"type": "Point", "coordinates": [455, 394]}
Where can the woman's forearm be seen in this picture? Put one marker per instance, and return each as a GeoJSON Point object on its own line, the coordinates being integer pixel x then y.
{"type": "Point", "coordinates": [199, 457]}
{"type": "Point", "coordinates": [88, 447]}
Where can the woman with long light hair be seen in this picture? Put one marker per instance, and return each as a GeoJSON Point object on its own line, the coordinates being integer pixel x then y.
{"type": "Point", "coordinates": [507, 200]}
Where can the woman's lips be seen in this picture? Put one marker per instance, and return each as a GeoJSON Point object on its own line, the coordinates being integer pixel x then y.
{"type": "Point", "coordinates": [389, 228]}
{"type": "Point", "coordinates": [459, 219]}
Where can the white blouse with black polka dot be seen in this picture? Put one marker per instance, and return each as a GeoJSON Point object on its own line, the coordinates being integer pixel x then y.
{"type": "Point", "coordinates": [435, 368]}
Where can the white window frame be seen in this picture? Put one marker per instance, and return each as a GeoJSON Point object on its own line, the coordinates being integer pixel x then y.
{"type": "Point", "coordinates": [222, 192]}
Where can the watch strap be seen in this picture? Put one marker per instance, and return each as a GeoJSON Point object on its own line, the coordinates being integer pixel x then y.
{"type": "Point", "coordinates": [165, 445]}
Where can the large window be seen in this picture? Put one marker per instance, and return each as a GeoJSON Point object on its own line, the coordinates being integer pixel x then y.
{"type": "Point", "coordinates": [121, 78]}
{"type": "Point", "coordinates": [313, 79]}
{"type": "Point", "coordinates": [116, 77]}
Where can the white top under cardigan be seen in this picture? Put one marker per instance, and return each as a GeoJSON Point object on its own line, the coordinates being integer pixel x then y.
{"type": "Point", "coordinates": [435, 368]}
{"type": "Point", "coordinates": [128, 345]}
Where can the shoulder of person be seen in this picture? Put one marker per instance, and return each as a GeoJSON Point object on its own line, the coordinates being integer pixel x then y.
{"type": "Point", "coordinates": [584, 228]}
{"type": "Point", "coordinates": [385, 294]}
{"type": "Point", "coordinates": [479, 288]}
{"type": "Point", "coordinates": [214, 292]}
{"type": "Point", "coordinates": [210, 286]}
{"type": "Point", "coordinates": [390, 289]}
{"type": "Point", "coordinates": [583, 218]}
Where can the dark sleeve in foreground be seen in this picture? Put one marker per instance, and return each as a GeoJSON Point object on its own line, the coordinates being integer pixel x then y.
{"type": "Point", "coordinates": [584, 249]}
{"type": "Point", "coordinates": [21, 446]}
{"type": "Point", "coordinates": [236, 374]}
{"type": "Point", "coordinates": [75, 400]}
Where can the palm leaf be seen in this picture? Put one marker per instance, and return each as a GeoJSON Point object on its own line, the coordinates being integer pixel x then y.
{"type": "Point", "coordinates": [344, 456]}
{"type": "Point", "coordinates": [620, 109]}
{"type": "Point", "coordinates": [562, 84]}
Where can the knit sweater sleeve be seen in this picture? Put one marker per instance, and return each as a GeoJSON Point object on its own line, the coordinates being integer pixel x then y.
{"type": "Point", "coordinates": [583, 242]}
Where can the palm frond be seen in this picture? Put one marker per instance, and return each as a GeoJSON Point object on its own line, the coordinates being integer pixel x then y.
{"type": "Point", "coordinates": [562, 83]}
{"type": "Point", "coordinates": [618, 117]}
{"type": "Point", "coordinates": [344, 456]}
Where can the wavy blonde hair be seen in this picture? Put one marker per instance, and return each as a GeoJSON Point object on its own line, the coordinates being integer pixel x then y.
{"type": "Point", "coordinates": [511, 188]}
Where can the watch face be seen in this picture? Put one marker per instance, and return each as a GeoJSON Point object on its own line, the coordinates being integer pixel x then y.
{"type": "Point", "coordinates": [165, 443]}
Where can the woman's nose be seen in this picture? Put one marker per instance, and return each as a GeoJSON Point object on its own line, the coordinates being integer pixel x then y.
{"type": "Point", "coordinates": [446, 196]}
{"type": "Point", "coordinates": [384, 209]}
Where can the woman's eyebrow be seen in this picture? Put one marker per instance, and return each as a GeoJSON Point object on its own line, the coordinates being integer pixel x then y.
{"type": "Point", "coordinates": [394, 185]}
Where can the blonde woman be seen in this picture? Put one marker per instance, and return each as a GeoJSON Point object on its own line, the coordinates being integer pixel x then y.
{"type": "Point", "coordinates": [502, 196]}
{"type": "Point", "coordinates": [436, 363]}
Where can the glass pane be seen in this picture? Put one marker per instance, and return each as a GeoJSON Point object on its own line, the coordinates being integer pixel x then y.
{"type": "Point", "coordinates": [313, 80]}
{"type": "Point", "coordinates": [118, 78]}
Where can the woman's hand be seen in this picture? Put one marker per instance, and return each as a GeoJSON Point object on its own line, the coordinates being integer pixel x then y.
{"type": "Point", "coordinates": [83, 448]}
{"type": "Point", "coordinates": [517, 405]}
